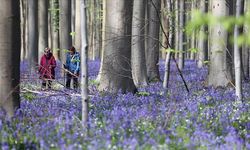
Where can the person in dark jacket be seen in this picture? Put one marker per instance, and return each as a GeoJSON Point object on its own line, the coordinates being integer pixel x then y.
{"type": "Point", "coordinates": [73, 67]}
{"type": "Point", "coordinates": [47, 68]}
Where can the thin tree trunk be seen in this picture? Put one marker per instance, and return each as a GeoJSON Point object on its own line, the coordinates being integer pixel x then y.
{"type": "Point", "coordinates": [171, 34]}
{"type": "Point", "coordinates": [55, 28]}
{"type": "Point", "coordinates": [202, 41]}
{"type": "Point", "coordinates": [171, 42]}
{"type": "Point", "coordinates": [103, 39]}
{"type": "Point", "coordinates": [246, 49]}
{"type": "Point", "coordinates": [176, 9]}
{"type": "Point", "coordinates": [73, 18]}
{"type": "Point", "coordinates": [181, 35]}
{"type": "Point", "coordinates": [77, 26]}
{"type": "Point", "coordinates": [165, 23]}
{"type": "Point", "coordinates": [23, 7]}
{"type": "Point", "coordinates": [167, 71]}
{"type": "Point", "coordinates": [193, 46]}
{"type": "Point", "coordinates": [84, 65]}
{"type": "Point", "coordinates": [237, 54]}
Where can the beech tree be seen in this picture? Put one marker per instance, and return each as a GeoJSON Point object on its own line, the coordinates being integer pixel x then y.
{"type": "Point", "coordinates": [65, 28]}
{"type": "Point", "coordinates": [77, 26]}
{"type": "Point", "coordinates": [116, 64]}
{"type": "Point", "coordinates": [10, 45]}
{"type": "Point", "coordinates": [246, 49]}
{"type": "Point", "coordinates": [237, 52]}
{"type": "Point", "coordinates": [43, 26]}
{"type": "Point", "coordinates": [55, 27]}
{"type": "Point", "coordinates": [220, 73]}
{"type": "Point", "coordinates": [84, 65]}
{"type": "Point", "coordinates": [202, 38]}
{"type": "Point", "coordinates": [181, 34]}
{"type": "Point", "coordinates": [139, 71]}
{"type": "Point", "coordinates": [152, 58]}
{"type": "Point", "coordinates": [32, 34]}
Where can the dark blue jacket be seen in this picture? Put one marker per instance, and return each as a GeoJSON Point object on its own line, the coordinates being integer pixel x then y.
{"type": "Point", "coordinates": [73, 62]}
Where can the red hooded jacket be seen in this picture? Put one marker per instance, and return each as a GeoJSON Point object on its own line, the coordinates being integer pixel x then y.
{"type": "Point", "coordinates": [47, 67]}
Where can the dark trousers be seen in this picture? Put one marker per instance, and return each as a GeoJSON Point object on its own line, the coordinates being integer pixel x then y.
{"type": "Point", "coordinates": [75, 81]}
{"type": "Point", "coordinates": [46, 83]}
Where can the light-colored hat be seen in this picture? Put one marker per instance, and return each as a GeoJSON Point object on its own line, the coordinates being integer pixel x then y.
{"type": "Point", "coordinates": [47, 50]}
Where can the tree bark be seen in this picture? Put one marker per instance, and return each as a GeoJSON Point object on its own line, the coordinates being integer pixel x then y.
{"type": "Point", "coordinates": [24, 14]}
{"type": "Point", "coordinates": [181, 35]}
{"type": "Point", "coordinates": [246, 49]}
{"type": "Point", "coordinates": [153, 41]}
{"type": "Point", "coordinates": [219, 69]}
{"type": "Point", "coordinates": [202, 41]}
{"type": "Point", "coordinates": [176, 10]}
{"type": "Point", "coordinates": [165, 24]}
{"type": "Point", "coordinates": [237, 53]}
{"type": "Point", "coordinates": [102, 38]}
{"type": "Point", "coordinates": [77, 26]}
{"type": "Point", "coordinates": [116, 67]}
{"type": "Point", "coordinates": [139, 71]}
{"type": "Point", "coordinates": [65, 28]}
{"type": "Point", "coordinates": [43, 26]}
{"type": "Point", "coordinates": [73, 20]}
{"type": "Point", "coordinates": [55, 28]}
{"type": "Point", "coordinates": [193, 38]}
{"type": "Point", "coordinates": [10, 45]}
{"type": "Point", "coordinates": [32, 35]}
{"type": "Point", "coordinates": [84, 65]}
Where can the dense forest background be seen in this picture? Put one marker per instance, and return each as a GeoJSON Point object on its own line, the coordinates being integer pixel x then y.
{"type": "Point", "coordinates": [155, 74]}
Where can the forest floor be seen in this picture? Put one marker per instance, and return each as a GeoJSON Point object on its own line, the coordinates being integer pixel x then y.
{"type": "Point", "coordinates": [204, 118]}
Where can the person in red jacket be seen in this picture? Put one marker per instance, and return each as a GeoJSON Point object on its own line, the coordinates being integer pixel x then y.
{"type": "Point", "coordinates": [47, 68]}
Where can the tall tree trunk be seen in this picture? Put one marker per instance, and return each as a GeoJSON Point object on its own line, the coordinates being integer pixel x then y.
{"type": "Point", "coordinates": [103, 38]}
{"type": "Point", "coordinates": [90, 18]}
{"type": "Point", "coordinates": [77, 26]}
{"type": "Point", "coordinates": [202, 41]}
{"type": "Point", "coordinates": [246, 49]}
{"type": "Point", "coordinates": [73, 18]}
{"type": "Point", "coordinates": [96, 26]}
{"type": "Point", "coordinates": [177, 28]}
{"type": "Point", "coordinates": [181, 35]}
{"type": "Point", "coordinates": [219, 69]}
{"type": "Point", "coordinates": [65, 28]}
{"type": "Point", "coordinates": [55, 28]}
{"type": "Point", "coordinates": [32, 34]}
{"type": "Point", "coordinates": [139, 71]}
{"type": "Point", "coordinates": [237, 52]}
{"type": "Point", "coordinates": [116, 67]}
{"type": "Point", "coordinates": [166, 27]}
{"type": "Point", "coordinates": [193, 39]}
{"type": "Point", "coordinates": [43, 26]}
{"type": "Point", "coordinates": [23, 7]}
{"type": "Point", "coordinates": [10, 44]}
{"type": "Point", "coordinates": [153, 40]}
{"type": "Point", "coordinates": [171, 42]}
{"type": "Point", "coordinates": [84, 65]}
